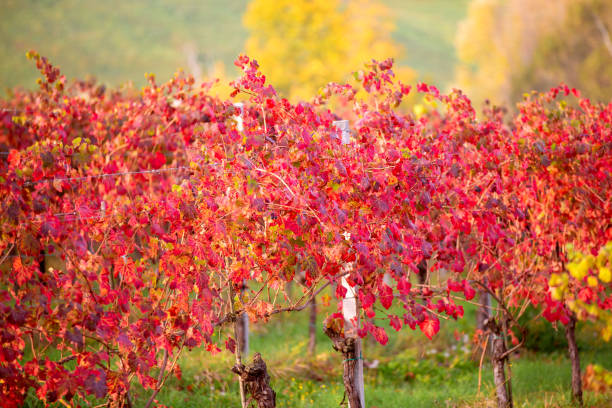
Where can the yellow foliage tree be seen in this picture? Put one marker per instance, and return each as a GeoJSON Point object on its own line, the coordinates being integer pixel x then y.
{"type": "Point", "coordinates": [301, 45]}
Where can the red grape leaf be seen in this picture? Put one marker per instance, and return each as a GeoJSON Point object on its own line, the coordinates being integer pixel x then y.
{"type": "Point", "coordinates": [430, 326]}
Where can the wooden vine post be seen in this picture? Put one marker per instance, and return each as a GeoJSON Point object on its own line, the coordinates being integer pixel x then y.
{"type": "Point", "coordinates": [570, 334]}
{"type": "Point", "coordinates": [351, 322]}
{"type": "Point", "coordinates": [312, 328]}
{"type": "Point", "coordinates": [572, 348]}
{"type": "Point", "coordinates": [243, 334]}
{"type": "Point", "coordinates": [241, 385]}
{"type": "Point", "coordinates": [347, 341]}
{"type": "Point", "coordinates": [499, 358]}
{"type": "Point", "coordinates": [242, 323]}
{"type": "Point", "coordinates": [483, 314]}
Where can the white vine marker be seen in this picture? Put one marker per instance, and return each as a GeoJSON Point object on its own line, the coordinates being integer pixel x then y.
{"type": "Point", "coordinates": [238, 118]}
{"type": "Point", "coordinates": [350, 301]}
{"type": "Point", "coordinates": [343, 125]}
{"type": "Point", "coordinates": [244, 342]}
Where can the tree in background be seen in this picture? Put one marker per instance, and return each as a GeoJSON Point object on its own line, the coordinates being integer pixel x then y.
{"type": "Point", "coordinates": [579, 53]}
{"type": "Point", "coordinates": [506, 47]}
{"type": "Point", "coordinates": [304, 44]}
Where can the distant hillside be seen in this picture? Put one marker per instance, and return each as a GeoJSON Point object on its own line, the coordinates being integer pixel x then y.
{"type": "Point", "coordinates": [118, 41]}
{"type": "Point", "coordinates": [426, 30]}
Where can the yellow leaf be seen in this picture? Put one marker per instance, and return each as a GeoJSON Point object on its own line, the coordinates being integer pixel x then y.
{"type": "Point", "coordinates": [579, 269]}
{"type": "Point", "coordinates": [605, 275]}
{"type": "Point", "coordinates": [593, 310]}
{"type": "Point", "coordinates": [555, 280]}
{"type": "Point", "coordinates": [606, 333]}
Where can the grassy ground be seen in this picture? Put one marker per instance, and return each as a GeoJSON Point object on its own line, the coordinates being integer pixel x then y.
{"type": "Point", "coordinates": [412, 371]}
{"type": "Point", "coordinates": [118, 41]}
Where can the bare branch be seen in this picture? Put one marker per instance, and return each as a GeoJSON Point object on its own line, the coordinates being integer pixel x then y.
{"type": "Point", "coordinates": [605, 35]}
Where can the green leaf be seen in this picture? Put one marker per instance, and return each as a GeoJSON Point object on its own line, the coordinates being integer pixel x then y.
{"type": "Point", "coordinates": [252, 185]}
{"type": "Point", "coordinates": [299, 242]}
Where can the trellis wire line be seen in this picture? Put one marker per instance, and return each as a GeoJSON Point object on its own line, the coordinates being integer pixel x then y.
{"type": "Point", "coordinates": [124, 173]}
{"type": "Point", "coordinates": [98, 214]}
{"type": "Point", "coordinates": [63, 153]}
{"type": "Point", "coordinates": [6, 153]}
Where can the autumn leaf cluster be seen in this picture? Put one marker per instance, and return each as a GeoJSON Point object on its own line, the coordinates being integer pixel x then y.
{"type": "Point", "coordinates": [136, 224]}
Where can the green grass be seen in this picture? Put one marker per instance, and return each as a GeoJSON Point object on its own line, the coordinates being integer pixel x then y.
{"type": "Point", "coordinates": [118, 41]}
{"type": "Point", "coordinates": [412, 371]}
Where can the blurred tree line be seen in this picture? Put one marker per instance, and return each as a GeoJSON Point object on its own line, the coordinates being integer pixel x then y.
{"type": "Point", "coordinates": [504, 48]}
{"type": "Point", "coordinates": [509, 47]}
{"type": "Point", "coordinates": [302, 45]}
